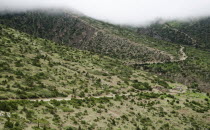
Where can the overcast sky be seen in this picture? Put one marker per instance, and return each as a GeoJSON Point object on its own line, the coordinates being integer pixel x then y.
{"type": "Point", "coordinates": [130, 12]}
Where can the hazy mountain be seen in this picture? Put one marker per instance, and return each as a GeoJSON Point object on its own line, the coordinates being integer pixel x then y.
{"type": "Point", "coordinates": [72, 30]}
{"type": "Point", "coordinates": [61, 70]}
{"type": "Point", "coordinates": [194, 32]}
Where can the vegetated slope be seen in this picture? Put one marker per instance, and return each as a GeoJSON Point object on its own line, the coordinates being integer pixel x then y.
{"type": "Point", "coordinates": [155, 111]}
{"type": "Point", "coordinates": [195, 71]}
{"type": "Point", "coordinates": [70, 29]}
{"type": "Point", "coordinates": [195, 32]}
{"type": "Point", "coordinates": [130, 34]}
{"type": "Point", "coordinates": [36, 68]}
{"type": "Point", "coordinates": [115, 41]}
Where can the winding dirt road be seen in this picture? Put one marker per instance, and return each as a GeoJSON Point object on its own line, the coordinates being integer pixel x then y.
{"type": "Point", "coordinates": [183, 57]}
{"type": "Point", "coordinates": [70, 97]}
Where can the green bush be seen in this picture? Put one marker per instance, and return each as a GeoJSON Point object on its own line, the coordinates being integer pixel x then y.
{"type": "Point", "coordinates": [141, 86]}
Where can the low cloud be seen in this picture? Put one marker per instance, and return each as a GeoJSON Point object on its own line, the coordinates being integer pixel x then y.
{"type": "Point", "coordinates": [127, 12]}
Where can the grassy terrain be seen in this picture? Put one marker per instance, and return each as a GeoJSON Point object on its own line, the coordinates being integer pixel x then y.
{"type": "Point", "coordinates": [117, 42]}
{"type": "Point", "coordinates": [36, 68]}
{"type": "Point", "coordinates": [141, 111]}
{"type": "Point", "coordinates": [33, 68]}
{"type": "Point", "coordinates": [195, 70]}
{"type": "Point", "coordinates": [102, 92]}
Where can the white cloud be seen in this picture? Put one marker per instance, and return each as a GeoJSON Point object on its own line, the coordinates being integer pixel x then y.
{"type": "Point", "coordinates": [132, 12]}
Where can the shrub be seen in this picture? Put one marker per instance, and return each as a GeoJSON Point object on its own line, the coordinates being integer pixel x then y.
{"type": "Point", "coordinates": [8, 124]}
{"type": "Point", "coordinates": [142, 86]}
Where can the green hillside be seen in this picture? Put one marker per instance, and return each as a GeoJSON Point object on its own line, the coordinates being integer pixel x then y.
{"type": "Point", "coordinates": [61, 71]}
{"type": "Point", "coordinates": [194, 32]}
{"type": "Point", "coordinates": [121, 97]}
{"type": "Point", "coordinates": [72, 30]}
{"type": "Point", "coordinates": [194, 70]}
{"type": "Point", "coordinates": [34, 68]}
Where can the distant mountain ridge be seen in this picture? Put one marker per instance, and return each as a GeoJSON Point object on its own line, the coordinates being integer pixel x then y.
{"type": "Point", "coordinates": [195, 32]}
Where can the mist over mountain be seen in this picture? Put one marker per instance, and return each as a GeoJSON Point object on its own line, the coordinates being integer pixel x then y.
{"type": "Point", "coordinates": [126, 12]}
{"type": "Point", "coordinates": [72, 65]}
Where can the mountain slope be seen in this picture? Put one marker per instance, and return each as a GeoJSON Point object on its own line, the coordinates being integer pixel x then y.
{"type": "Point", "coordinates": [89, 90]}
{"type": "Point", "coordinates": [70, 29]}
{"type": "Point", "coordinates": [119, 42]}
{"type": "Point", "coordinates": [37, 68]}
{"type": "Point", "coordinates": [104, 93]}
{"type": "Point", "coordinates": [195, 33]}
